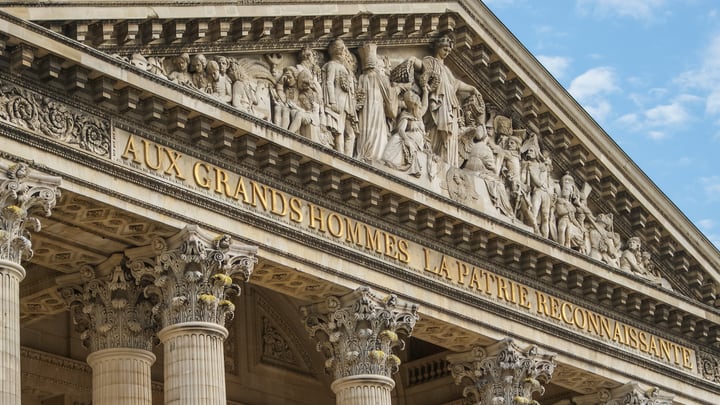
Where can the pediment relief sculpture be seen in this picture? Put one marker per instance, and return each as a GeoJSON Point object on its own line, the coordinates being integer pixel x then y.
{"type": "Point", "coordinates": [411, 116]}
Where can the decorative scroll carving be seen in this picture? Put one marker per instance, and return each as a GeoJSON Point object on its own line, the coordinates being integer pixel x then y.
{"type": "Point", "coordinates": [20, 193]}
{"type": "Point", "coordinates": [110, 311]}
{"type": "Point", "coordinates": [358, 332]}
{"type": "Point", "coordinates": [502, 373]}
{"type": "Point", "coordinates": [415, 118]}
{"type": "Point", "coordinates": [709, 367]}
{"type": "Point", "coordinates": [192, 274]}
{"type": "Point", "coordinates": [628, 394]}
{"type": "Point", "coordinates": [274, 345]}
{"type": "Point", "coordinates": [44, 116]}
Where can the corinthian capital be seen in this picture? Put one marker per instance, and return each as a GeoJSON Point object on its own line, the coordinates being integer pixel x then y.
{"type": "Point", "coordinates": [358, 331]}
{"type": "Point", "coordinates": [108, 308]}
{"type": "Point", "coordinates": [628, 394]}
{"type": "Point", "coordinates": [502, 373]}
{"type": "Point", "coordinates": [192, 275]}
{"type": "Point", "coordinates": [20, 193]}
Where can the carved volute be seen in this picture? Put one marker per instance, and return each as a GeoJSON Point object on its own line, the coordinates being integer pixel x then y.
{"type": "Point", "coordinates": [502, 373]}
{"type": "Point", "coordinates": [358, 332]}
{"type": "Point", "coordinates": [20, 193]}
{"type": "Point", "coordinates": [192, 275]}
{"type": "Point", "coordinates": [109, 309]}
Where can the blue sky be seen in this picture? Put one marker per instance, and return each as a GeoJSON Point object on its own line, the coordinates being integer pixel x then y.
{"type": "Point", "coordinates": [648, 71]}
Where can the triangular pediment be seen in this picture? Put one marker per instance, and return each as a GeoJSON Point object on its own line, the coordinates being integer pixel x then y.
{"type": "Point", "coordinates": [481, 150]}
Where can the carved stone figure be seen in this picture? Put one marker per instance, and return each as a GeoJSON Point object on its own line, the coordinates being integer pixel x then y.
{"type": "Point", "coordinates": [536, 198]}
{"type": "Point", "coordinates": [377, 104]}
{"type": "Point", "coordinates": [568, 227]}
{"type": "Point", "coordinates": [181, 75]}
{"type": "Point", "coordinates": [285, 93]}
{"type": "Point", "coordinates": [305, 110]}
{"type": "Point", "coordinates": [481, 162]}
{"type": "Point", "coordinates": [219, 85]}
{"type": "Point", "coordinates": [339, 95]}
{"type": "Point", "coordinates": [442, 120]}
{"type": "Point", "coordinates": [198, 64]}
{"type": "Point", "coordinates": [603, 242]}
{"type": "Point", "coordinates": [408, 139]}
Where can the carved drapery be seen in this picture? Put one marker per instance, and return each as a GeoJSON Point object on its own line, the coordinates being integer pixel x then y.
{"type": "Point", "coordinates": [358, 331]}
{"type": "Point", "coordinates": [628, 394]}
{"type": "Point", "coordinates": [21, 192]}
{"type": "Point", "coordinates": [502, 373]}
{"type": "Point", "coordinates": [191, 275]}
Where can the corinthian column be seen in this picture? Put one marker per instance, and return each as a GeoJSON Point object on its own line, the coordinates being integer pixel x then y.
{"type": "Point", "coordinates": [357, 333]}
{"type": "Point", "coordinates": [502, 373]}
{"type": "Point", "coordinates": [20, 193]}
{"type": "Point", "coordinates": [191, 276]}
{"type": "Point", "coordinates": [115, 322]}
{"type": "Point", "coordinates": [628, 394]}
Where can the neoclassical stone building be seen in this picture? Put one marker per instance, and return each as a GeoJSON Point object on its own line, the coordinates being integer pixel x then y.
{"type": "Point", "coordinates": [223, 202]}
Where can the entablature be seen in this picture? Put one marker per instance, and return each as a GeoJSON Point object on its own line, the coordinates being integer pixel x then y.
{"type": "Point", "coordinates": [149, 102]}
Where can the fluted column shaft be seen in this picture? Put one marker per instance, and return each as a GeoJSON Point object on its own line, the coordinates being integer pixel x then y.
{"type": "Point", "coordinates": [121, 376]}
{"type": "Point", "coordinates": [364, 389]}
{"type": "Point", "coordinates": [10, 276]}
{"type": "Point", "coordinates": [194, 363]}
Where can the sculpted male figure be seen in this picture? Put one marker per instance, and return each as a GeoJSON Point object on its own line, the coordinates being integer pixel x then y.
{"type": "Point", "coordinates": [339, 95]}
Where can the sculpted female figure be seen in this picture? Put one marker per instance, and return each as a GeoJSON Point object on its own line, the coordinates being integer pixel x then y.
{"type": "Point", "coordinates": [444, 109]}
{"type": "Point", "coordinates": [377, 104]}
{"type": "Point", "coordinates": [409, 137]}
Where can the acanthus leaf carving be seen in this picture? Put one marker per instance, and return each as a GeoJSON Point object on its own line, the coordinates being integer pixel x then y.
{"type": "Point", "coordinates": [21, 192]}
{"type": "Point", "coordinates": [357, 332]}
{"type": "Point", "coordinates": [192, 275]}
{"type": "Point", "coordinates": [502, 373]}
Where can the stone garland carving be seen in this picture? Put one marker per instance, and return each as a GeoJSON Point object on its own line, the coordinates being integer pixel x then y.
{"type": "Point", "coordinates": [43, 116]}
{"type": "Point", "coordinates": [110, 312]}
{"type": "Point", "coordinates": [418, 119]}
{"type": "Point", "coordinates": [20, 194]}
{"type": "Point", "coordinates": [191, 275]}
{"type": "Point", "coordinates": [358, 332]}
{"type": "Point", "coordinates": [502, 373]}
{"type": "Point", "coordinates": [630, 393]}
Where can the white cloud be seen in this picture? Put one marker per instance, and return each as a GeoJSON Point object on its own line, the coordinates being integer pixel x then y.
{"type": "Point", "coordinates": [656, 135]}
{"type": "Point", "coordinates": [596, 81]}
{"type": "Point", "coordinates": [711, 186]}
{"type": "Point", "coordinates": [637, 9]}
{"type": "Point", "coordinates": [706, 224]}
{"type": "Point", "coordinates": [668, 114]}
{"type": "Point", "coordinates": [600, 110]}
{"type": "Point", "coordinates": [557, 65]}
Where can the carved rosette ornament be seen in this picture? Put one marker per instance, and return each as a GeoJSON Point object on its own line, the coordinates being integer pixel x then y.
{"type": "Point", "coordinates": [357, 334]}
{"type": "Point", "coordinates": [21, 193]}
{"type": "Point", "coordinates": [192, 275]}
{"type": "Point", "coordinates": [502, 373]}
{"type": "Point", "coordinates": [628, 394]}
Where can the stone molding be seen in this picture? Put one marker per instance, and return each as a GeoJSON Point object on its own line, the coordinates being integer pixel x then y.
{"type": "Point", "coordinates": [357, 332]}
{"type": "Point", "coordinates": [628, 394]}
{"type": "Point", "coordinates": [363, 389]}
{"type": "Point", "coordinates": [109, 309]}
{"type": "Point", "coordinates": [21, 192]}
{"type": "Point", "coordinates": [192, 274]}
{"type": "Point", "coordinates": [502, 373]}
